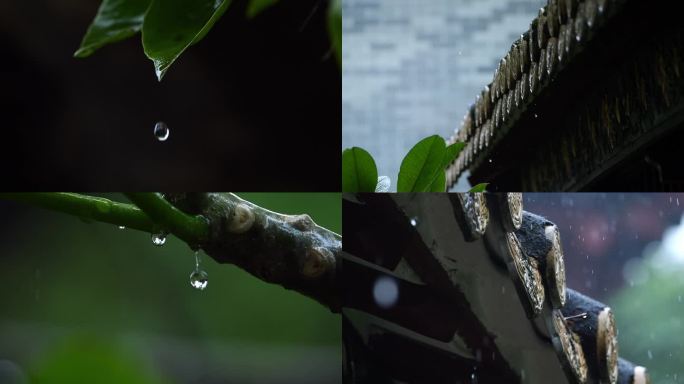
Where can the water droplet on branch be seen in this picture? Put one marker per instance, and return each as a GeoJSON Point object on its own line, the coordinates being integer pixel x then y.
{"type": "Point", "coordinates": [161, 131]}
{"type": "Point", "coordinates": [198, 278]}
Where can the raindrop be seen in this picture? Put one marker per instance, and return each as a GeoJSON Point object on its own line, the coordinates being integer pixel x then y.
{"type": "Point", "coordinates": [122, 227]}
{"type": "Point", "coordinates": [579, 24]}
{"type": "Point", "coordinates": [650, 355]}
{"type": "Point", "coordinates": [590, 12]}
{"type": "Point", "coordinates": [385, 292]}
{"type": "Point", "coordinates": [582, 315]}
{"type": "Point", "coordinates": [198, 278]}
{"type": "Point", "coordinates": [414, 221]}
{"type": "Point", "coordinates": [490, 160]}
{"type": "Point", "coordinates": [602, 5]}
{"type": "Point", "coordinates": [678, 201]}
{"type": "Point", "coordinates": [159, 239]}
{"type": "Point", "coordinates": [536, 116]}
{"type": "Point", "coordinates": [679, 298]}
{"type": "Point", "coordinates": [161, 131]}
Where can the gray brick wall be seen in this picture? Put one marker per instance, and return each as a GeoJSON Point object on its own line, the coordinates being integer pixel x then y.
{"type": "Point", "coordinates": [413, 67]}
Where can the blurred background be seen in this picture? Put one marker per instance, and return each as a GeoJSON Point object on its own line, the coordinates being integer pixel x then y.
{"type": "Point", "coordinates": [412, 68]}
{"type": "Point", "coordinates": [238, 104]}
{"type": "Point", "coordinates": [91, 303]}
{"type": "Point", "coordinates": [627, 250]}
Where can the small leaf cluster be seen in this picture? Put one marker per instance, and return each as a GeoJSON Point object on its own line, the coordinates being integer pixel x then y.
{"type": "Point", "coordinates": [422, 170]}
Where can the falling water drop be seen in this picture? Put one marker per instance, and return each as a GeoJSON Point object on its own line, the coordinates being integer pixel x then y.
{"type": "Point", "coordinates": [414, 221]}
{"type": "Point", "coordinates": [650, 355]}
{"type": "Point", "coordinates": [581, 315]}
{"type": "Point", "coordinates": [385, 292]}
{"type": "Point", "coordinates": [159, 239]}
{"type": "Point", "coordinates": [198, 278]}
{"type": "Point", "coordinates": [122, 227]}
{"type": "Point", "coordinates": [161, 131]}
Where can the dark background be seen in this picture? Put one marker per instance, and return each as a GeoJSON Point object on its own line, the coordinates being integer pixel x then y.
{"type": "Point", "coordinates": [254, 106]}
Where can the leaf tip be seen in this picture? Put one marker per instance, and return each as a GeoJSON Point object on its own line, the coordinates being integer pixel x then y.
{"type": "Point", "coordinates": [482, 187]}
{"type": "Point", "coordinates": [83, 52]}
{"type": "Point", "coordinates": [160, 71]}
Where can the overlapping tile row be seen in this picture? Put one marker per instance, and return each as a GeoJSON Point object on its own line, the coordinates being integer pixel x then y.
{"type": "Point", "coordinates": [559, 33]}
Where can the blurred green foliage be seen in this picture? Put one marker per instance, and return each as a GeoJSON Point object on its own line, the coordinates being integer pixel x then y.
{"type": "Point", "coordinates": [69, 278]}
{"type": "Point", "coordinates": [650, 320]}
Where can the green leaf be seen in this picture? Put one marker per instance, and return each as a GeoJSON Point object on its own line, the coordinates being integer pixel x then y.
{"type": "Point", "coordinates": [482, 187]}
{"type": "Point", "coordinates": [359, 173]}
{"type": "Point", "coordinates": [115, 20]}
{"type": "Point", "coordinates": [255, 7]}
{"type": "Point", "coordinates": [421, 165]}
{"type": "Point", "coordinates": [439, 185]}
{"type": "Point", "coordinates": [452, 152]}
{"type": "Point", "coordinates": [335, 28]}
{"type": "Point", "coordinates": [171, 26]}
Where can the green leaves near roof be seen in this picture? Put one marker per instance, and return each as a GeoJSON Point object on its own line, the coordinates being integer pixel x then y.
{"type": "Point", "coordinates": [171, 26]}
{"type": "Point", "coordinates": [482, 187]}
{"type": "Point", "coordinates": [422, 170]}
{"type": "Point", "coordinates": [359, 173]}
{"type": "Point", "coordinates": [115, 20]}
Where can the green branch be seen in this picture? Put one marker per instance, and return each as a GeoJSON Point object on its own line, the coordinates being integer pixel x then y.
{"type": "Point", "coordinates": [192, 229]}
{"type": "Point", "coordinates": [152, 213]}
{"type": "Point", "coordinates": [87, 207]}
{"type": "Point", "coordinates": [290, 250]}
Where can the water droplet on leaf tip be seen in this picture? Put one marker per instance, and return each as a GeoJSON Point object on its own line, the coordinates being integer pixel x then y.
{"type": "Point", "coordinates": [161, 131]}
